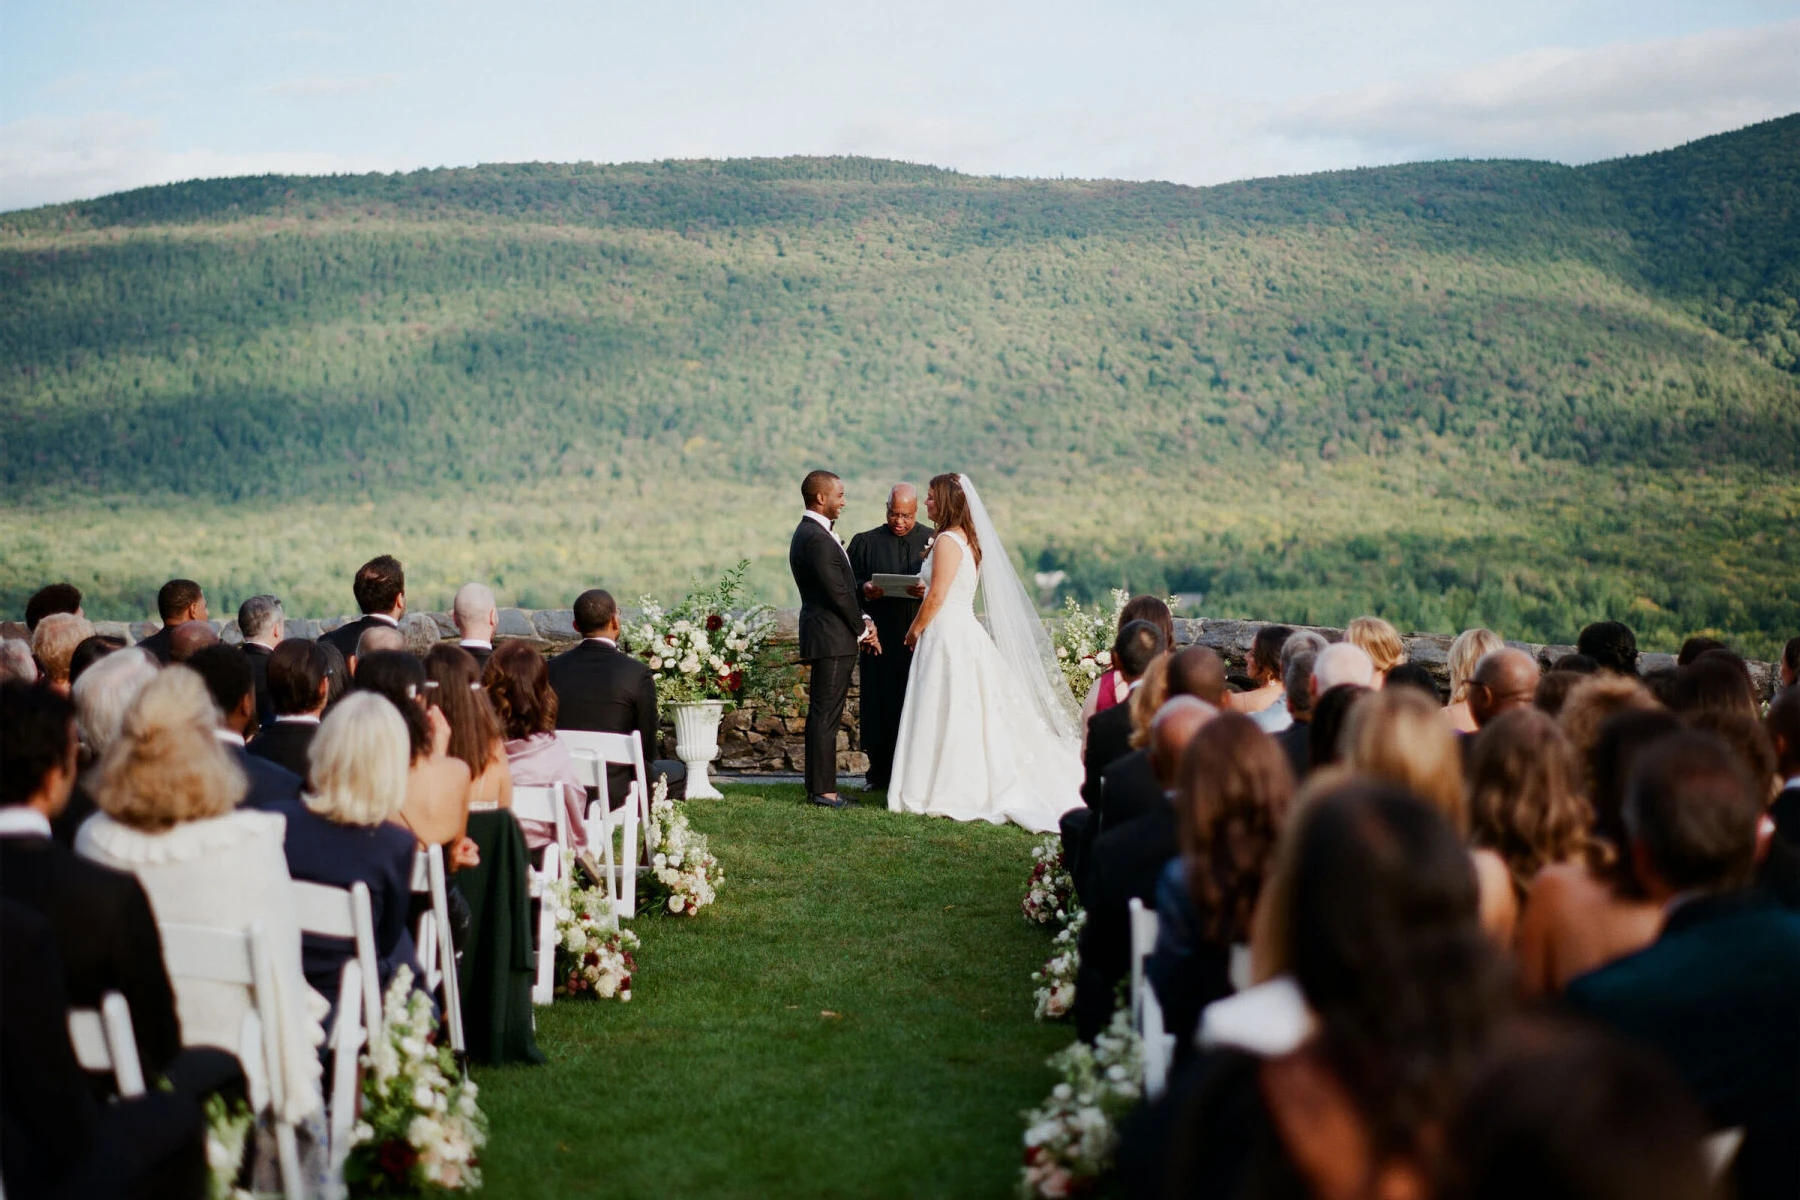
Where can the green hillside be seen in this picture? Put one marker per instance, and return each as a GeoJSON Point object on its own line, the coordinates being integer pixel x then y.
{"type": "Point", "coordinates": [1509, 392]}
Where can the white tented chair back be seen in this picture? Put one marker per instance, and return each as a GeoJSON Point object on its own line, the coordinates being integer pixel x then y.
{"type": "Point", "coordinates": [593, 753]}
{"type": "Point", "coordinates": [437, 953]}
{"type": "Point", "coordinates": [346, 913]}
{"type": "Point", "coordinates": [105, 1043]}
{"type": "Point", "coordinates": [240, 958]}
{"type": "Point", "coordinates": [1146, 1011]}
{"type": "Point", "coordinates": [545, 804]}
{"type": "Point", "coordinates": [348, 1036]}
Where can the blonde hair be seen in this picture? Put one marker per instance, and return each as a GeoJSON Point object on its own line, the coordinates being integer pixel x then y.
{"type": "Point", "coordinates": [1379, 640]}
{"type": "Point", "coordinates": [54, 641]}
{"type": "Point", "coordinates": [1469, 648]}
{"type": "Point", "coordinates": [167, 767]}
{"type": "Point", "coordinates": [105, 692]}
{"type": "Point", "coordinates": [358, 761]}
{"type": "Point", "coordinates": [1147, 698]}
{"type": "Point", "coordinates": [1399, 737]}
{"type": "Point", "coordinates": [1525, 796]}
{"type": "Point", "coordinates": [1588, 705]}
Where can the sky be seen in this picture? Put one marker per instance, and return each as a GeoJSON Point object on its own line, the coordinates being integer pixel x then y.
{"type": "Point", "coordinates": [98, 97]}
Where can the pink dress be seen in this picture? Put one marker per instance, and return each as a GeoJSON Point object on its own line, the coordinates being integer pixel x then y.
{"type": "Point", "coordinates": [1106, 690]}
{"type": "Point", "coordinates": [542, 761]}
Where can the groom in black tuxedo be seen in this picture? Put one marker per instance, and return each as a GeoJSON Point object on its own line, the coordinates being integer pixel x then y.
{"type": "Point", "coordinates": [896, 547]}
{"type": "Point", "coordinates": [832, 626]}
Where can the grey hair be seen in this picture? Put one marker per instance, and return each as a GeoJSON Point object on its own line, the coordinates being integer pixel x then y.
{"type": "Point", "coordinates": [1297, 678]}
{"type": "Point", "coordinates": [16, 661]}
{"type": "Point", "coordinates": [258, 615]}
{"type": "Point", "coordinates": [377, 638]}
{"type": "Point", "coordinates": [1299, 642]}
{"type": "Point", "coordinates": [106, 691]}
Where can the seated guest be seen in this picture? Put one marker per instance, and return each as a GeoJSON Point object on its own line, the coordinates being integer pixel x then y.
{"type": "Point", "coordinates": [1576, 664]}
{"type": "Point", "coordinates": [1416, 676]}
{"type": "Point", "coordinates": [1294, 740]}
{"type": "Point", "coordinates": [1111, 688]}
{"type": "Point", "coordinates": [1331, 712]}
{"type": "Point", "coordinates": [380, 590]}
{"type": "Point", "coordinates": [298, 687]}
{"type": "Point", "coordinates": [90, 651]}
{"type": "Point", "coordinates": [1127, 863]}
{"type": "Point", "coordinates": [1553, 690]}
{"type": "Point", "coordinates": [16, 662]}
{"type": "Point", "coordinates": [168, 794]}
{"type": "Point", "coordinates": [437, 785]}
{"type": "Point", "coordinates": [262, 622]}
{"type": "Point", "coordinates": [1399, 737]}
{"type": "Point", "coordinates": [1789, 667]}
{"type": "Point", "coordinates": [1717, 991]}
{"type": "Point", "coordinates": [1783, 727]}
{"type": "Point", "coordinates": [1503, 680]}
{"type": "Point", "coordinates": [232, 685]}
{"type": "Point", "coordinates": [189, 639]}
{"type": "Point", "coordinates": [1380, 641]}
{"type": "Point", "coordinates": [178, 602]}
{"type": "Point", "coordinates": [1265, 704]}
{"type": "Point", "coordinates": [1129, 788]}
{"type": "Point", "coordinates": [601, 688]}
{"type": "Point", "coordinates": [453, 685]}
{"type": "Point", "coordinates": [476, 619]}
{"type": "Point", "coordinates": [377, 639]}
{"type": "Point", "coordinates": [1610, 644]}
{"type": "Point", "coordinates": [1591, 703]}
{"type": "Point", "coordinates": [1469, 648]}
{"type": "Point", "coordinates": [343, 831]}
{"type": "Point", "coordinates": [337, 675]}
{"type": "Point", "coordinates": [1525, 797]}
{"type": "Point", "coordinates": [1232, 792]}
{"type": "Point", "coordinates": [1694, 647]}
{"type": "Point", "coordinates": [1138, 645]}
{"type": "Point", "coordinates": [56, 598]}
{"type": "Point", "coordinates": [1716, 681]}
{"type": "Point", "coordinates": [518, 684]}
{"type": "Point", "coordinates": [102, 697]}
{"type": "Point", "coordinates": [53, 644]}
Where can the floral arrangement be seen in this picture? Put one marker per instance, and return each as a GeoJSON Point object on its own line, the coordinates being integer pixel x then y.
{"type": "Point", "coordinates": [1050, 892]}
{"type": "Point", "coordinates": [1055, 995]}
{"type": "Point", "coordinates": [227, 1133]}
{"type": "Point", "coordinates": [420, 1129]}
{"type": "Point", "coordinates": [711, 646]}
{"type": "Point", "coordinates": [1084, 638]}
{"type": "Point", "coordinates": [1071, 1137]}
{"type": "Point", "coordinates": [594, 957]}
{"type": "Point", "coordinates": [686, 873]}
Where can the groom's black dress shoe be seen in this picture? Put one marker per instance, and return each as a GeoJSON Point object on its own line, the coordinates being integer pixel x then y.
{"type": "Point", "coordinates": [826, 802]}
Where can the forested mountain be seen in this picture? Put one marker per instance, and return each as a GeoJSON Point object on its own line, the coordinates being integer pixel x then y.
{"type": "Point", "coordinates": [1507, 391]}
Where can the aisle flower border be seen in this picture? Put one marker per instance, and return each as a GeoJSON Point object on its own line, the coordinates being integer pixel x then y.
{"type": "Point", "coordinates": [684, 874]}
{"type": "Point", "coordinates": [1071, 1138]}
{"type": "Point", "coordinates": [1050, 899]}
{"type": "Point", "coordinates": [595, 958]}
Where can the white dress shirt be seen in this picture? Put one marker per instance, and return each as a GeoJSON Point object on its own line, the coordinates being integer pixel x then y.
{"type": "Point", "coordinates": [22, 820]}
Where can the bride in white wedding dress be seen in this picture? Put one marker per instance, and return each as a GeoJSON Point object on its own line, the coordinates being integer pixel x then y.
{"type": "Point", "coordinates": [988, 731]}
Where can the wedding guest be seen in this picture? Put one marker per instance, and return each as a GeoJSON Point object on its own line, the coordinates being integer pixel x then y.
{"type": "Point", "coordinates": [177, 602]}
{"type": "Point", "coordinates": [90, 651]}
{"type": "Point", "coordinates": [475, 616]}
{"type": "Point", "coordinates": [1111, 688]}
{"type": "Point", "coordinates": [377, 639]}
{"type": "Point", "coordinates": [54, 598]}
{"type": "Point", "coordinates": [437, 782]}
{"type": "Point", "coordinates": [16, 662]}
{"type": "Point", "coordinates": [1342, 663]}
{"type": "Point", "coordinates": [1232, 792]}
{"type": "Point", "coordinates": [1553, 690]}
{"type": "Point", "coordinates": [298, 689]}
{"type": "Point", "coordinates": [344, 830]}
{"type": "Point", "coordinates": [1469, 648]}
{"type": "Point", "coordinates": [105, 692]}
{"type": "Point", "coordinates": [168, 793]}
{"type": "Point", "coordinates": [1525, 797]}
{"type": "Point", "coordinates": [1380, 641]}
{"type": "Point", "coordinates": [453, 684]}
{"type": "Point", "coordinates": [1130, 788]}
{"type": "Point", "coordinates": [380, 590]}
{"type": "Point", "coordinates": [189, 639]}
{"type": "Point", "coordinates": [1265, 704]}
{"type": "Point", "coordinates": [232, 686]}
{"type": "Point", "coordinates": [518, 684]}
{"type": "Point", "coordinates": [1611, 645]}
{"type": "Point", "coordinates": [1716, 681]}
{"type": "Point", "coordinates": [53, 644]}
{"type": "Point", "coordinates": [1138, 644]}
{"type": "Point", "coordinates": [1694, 647]}
{"type": "Point", "coordinates": [1503, 680]}
{"type": "Point", "coordinates": [1126, 864]}
{"type": "Point", "coordinates": [1717, 990]}
{"type": "Point", "coordinates": [338, 677]}
{"type": "Point", "coordinates": [1783, 726]}
{"type": "Point", "coordinates": [898, 546]}
{"type": "Point", "coordinates": [262, 622]}
{"type": "Point", "coordinates": [1399, 737]}
{"type": "Point", "coordinates": [1296, 738]}
{"type": "Point", "coordinates": [1416, 676]}
{"type": "Point", "coordinates": [1789, 668]}
{"type": "Point", "coordinates": [1330, 712]}
{"type": "Point", "coordinates": [1591, 702]}
{"type": "Point", "coordinates": [1576, 664]}
{"type": "Point", "coordinates": [601, 688]}
{"type": "Point", "coordinates": [1581, 915]}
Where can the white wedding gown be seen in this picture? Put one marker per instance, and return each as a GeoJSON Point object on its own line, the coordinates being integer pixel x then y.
{"type": "Point", "coordinates": [972, 745]}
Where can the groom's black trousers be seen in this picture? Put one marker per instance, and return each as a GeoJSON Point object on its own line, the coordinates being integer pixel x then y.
{"type": "Point", "coordinates": [826, 694]}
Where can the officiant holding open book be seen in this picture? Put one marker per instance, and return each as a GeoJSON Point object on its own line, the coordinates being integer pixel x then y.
{"type": "Point", "coordinates": [897, 547]}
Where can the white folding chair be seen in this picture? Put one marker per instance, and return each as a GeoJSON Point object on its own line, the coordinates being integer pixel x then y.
{"type": "Point", "coordinates": [545, 805]}
{"type": "Point", "coordinates": [239, 958]}
{"type": "Point", "coordinates": [437, 953]}
{"type": "Point", "coordinates": [593, 753]}
{"type": "Point", "coordinates": [1158, 1045]}
{"type": "Point", "coordinates": [345, 913]}
{"type": "Point", "coordinates": [347, 1038]}
{"type": "Point", "coordinates": [105, 1043]}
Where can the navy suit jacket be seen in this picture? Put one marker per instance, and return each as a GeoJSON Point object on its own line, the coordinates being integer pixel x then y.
{"type": "Point", "coordinates": [271, 785]}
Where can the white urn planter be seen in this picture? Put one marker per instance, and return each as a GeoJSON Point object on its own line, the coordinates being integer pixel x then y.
{"type": "Point", "coordinates": [697, 744]}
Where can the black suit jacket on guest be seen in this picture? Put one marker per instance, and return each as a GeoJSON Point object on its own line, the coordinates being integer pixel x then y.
{"type": "Point", "coordinates": [1718, 993]}
{"type": "Point", "coordinates": [106, 934]}
{"type": "Point", "coordinates": [831, 619]}
{"type": "Point", "coordinates": [1296, 742]}
{"type": "Point", "coordinates": [1128, 790]}
{"type": "Point", "coordinates": [1108, 740]}
{"type": "Point", "coordinates": [285, 743]}
{"type": "Point", "coordinates": [1786, 812]}
{"type": "Point", "coordinates": [271, 785]}
{"type": "Point", "coordinates": [345, 636]}
{"type": "Point", "coordinates": [157, 645]}
{"type": "Point", "coordinates": [480, 654]}
{"type": "Point", "coordinates": [258, 654]}
{"type": "Point", "coordinates": [601, 688]}
{"type": "Point", "coordinates": [1126, 863]}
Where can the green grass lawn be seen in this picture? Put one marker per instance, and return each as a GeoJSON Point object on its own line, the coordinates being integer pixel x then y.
{"type": "Point", "coordinates": [852, 1018]}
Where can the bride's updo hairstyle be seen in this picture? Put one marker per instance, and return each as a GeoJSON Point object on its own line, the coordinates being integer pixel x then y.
{"type": "Point", "coordinates": [952, 510]}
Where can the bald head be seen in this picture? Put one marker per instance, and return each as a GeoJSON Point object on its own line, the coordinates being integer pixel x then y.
{"type": "Point", "coordinates": [1503, 680]}
{"type": "Point", "coordinates": [377, 638]}
{"type": "Point", "coordinates": [474, 613]}
{"type": "Point", "coordinates": [902, 509]}
{"type": "Point", "coordinates": [189, 638]}
{"type": "Point", "coordinates": [1341, 663]}
{"type": "Point", "coordinates": [1173, 727]}
{"type": "Point", "coordinates": [1198, 671]}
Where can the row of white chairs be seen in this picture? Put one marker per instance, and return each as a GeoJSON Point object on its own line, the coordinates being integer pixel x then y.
{"type": "Point", "coordinates": [1146, 1011]}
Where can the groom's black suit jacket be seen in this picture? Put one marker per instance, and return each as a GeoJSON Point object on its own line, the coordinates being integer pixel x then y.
{"type": "Point", "coordinates": [831, 621]}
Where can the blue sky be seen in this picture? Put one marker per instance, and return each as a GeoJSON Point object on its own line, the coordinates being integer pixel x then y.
{"type": "Point", "coordinates": [95, 97]}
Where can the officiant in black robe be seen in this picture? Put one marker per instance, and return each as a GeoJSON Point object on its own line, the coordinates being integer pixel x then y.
{"type": "Point", "coordinates": [896, 547]}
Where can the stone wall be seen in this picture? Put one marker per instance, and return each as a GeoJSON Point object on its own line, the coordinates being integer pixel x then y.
{"type": "Point", "coordinates": [769, 738]}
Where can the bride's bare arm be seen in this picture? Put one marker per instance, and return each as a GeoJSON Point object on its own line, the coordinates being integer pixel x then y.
{"type": "Point", "coordinates": [946, 557]}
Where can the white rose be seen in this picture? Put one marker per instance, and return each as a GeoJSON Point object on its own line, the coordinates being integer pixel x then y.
{"type": "Point", "coordinates": [656, 664]}
{"type": "Point", "coordinates": [674, 904]}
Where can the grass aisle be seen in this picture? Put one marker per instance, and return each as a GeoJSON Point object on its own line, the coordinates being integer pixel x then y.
{"type": "Point", "coordinates": [726, 1076]}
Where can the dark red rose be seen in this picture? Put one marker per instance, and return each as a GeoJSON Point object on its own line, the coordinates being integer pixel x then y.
{"type": "Point", "coordinates": [734, 682]}
{"type": "Point", "coordinates": [397, 1159]}
{"type": "Point", "coordinates": [715, 623]}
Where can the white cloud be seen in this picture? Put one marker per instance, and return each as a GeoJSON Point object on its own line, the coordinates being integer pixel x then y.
{"type": "Point", "coordinates": [327, 85]}
{"type": "Point", "coordinates": [47, 160]}
{"type": "Point", "coordinates": [1567, 104]}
